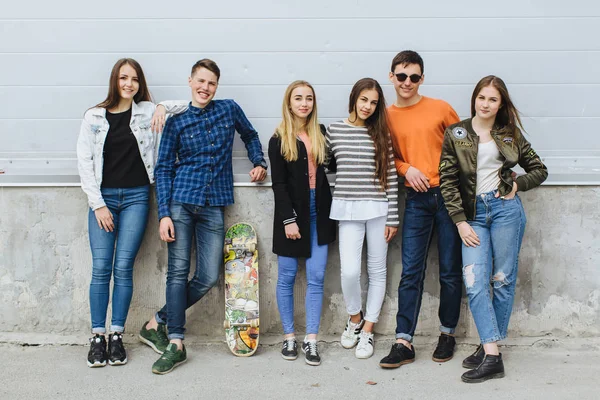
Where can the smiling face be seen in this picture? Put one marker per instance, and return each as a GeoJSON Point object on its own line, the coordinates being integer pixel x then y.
{"type": "Point", "coordinates": [128, 82]}
{"type": "Point", "coordinates": [302, 101]}
{"type": "Point", "coordinates": [366, 104]}
{"type": "Point", "coordinates": [487, 103]}
{"type": "Point", "coordinates": [407, 89]}
{"type": "Point", "coordinates": [204, 86]}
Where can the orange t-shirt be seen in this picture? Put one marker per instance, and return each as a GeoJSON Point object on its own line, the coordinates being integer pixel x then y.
{"type": "Point", "coordinates": [417, 133]}
{"type": "Point", "coordinates": [312, 165]}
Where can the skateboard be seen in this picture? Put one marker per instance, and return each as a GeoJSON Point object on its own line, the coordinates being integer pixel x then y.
{"type": "Point", "coordinates": [241, 290]}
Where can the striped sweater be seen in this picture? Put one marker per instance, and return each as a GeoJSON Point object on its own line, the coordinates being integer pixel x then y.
{"type": "Point", "coordinates": [354, 154]}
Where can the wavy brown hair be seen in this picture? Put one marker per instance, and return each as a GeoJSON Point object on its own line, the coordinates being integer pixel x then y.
{"type": "Point", "coordinates": [377, 127]}
{"type": "Point", "coordinates": [507, 121]}
{"type": "Point", "coordinates": [113, 97]}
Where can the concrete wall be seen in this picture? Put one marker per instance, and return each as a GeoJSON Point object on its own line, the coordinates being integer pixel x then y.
{"type": "Point", "coordinates": [45, 268]}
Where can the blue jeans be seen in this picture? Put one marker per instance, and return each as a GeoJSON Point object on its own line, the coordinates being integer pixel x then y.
{"type": "Point", "coordinates": [207, 224]}
{"type": "Point", "coordinates": [500, 225]}
{"type": "Point", "coordinates": [425, 212]}
{"type": "Point", "coordinates": [116, 251]}
{"type": "Point", "coordinates": [315, 276]}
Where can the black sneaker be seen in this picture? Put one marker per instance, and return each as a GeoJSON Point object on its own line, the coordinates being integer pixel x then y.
{"type": "Point", "coordinates": [116, 352]}
{"type": "Point", "coordinates": [474, 359]}
{"type": "Point", "coordinates": [290, 349]}
{"type": "Point", "coordinates": [311, 352]}
{"type": "Point", "coordinates": [399, 355]}
{"type": "Point", "coordinates": [445, 348]}
{"type": "Point", "coordinates": [97, 355]}
{"type": "Point", "coordinates": [491, 367]}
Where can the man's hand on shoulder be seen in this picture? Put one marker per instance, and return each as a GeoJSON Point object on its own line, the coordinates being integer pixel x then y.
{"type": "Point", "coordinates": [258, 174]}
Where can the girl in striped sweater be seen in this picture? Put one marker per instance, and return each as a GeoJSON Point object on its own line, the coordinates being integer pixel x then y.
{"type": "Point", "coordinates": [365, 201]}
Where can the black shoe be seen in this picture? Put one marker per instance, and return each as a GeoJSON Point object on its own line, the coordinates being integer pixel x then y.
{"type": "Point", "coordinates": [97, 355]}
{"type": "Point", "coordinates": [311, 352]}
{"type": "Point", "coordinates": [116, 352]}
{"type": "Point", "coordinates": [445, 348]}
{"type": "Point", "coordinates": [290, 349]}
{"type": "Point", "coordinates": [399, 355]}
{"type": "Point", "coordinates": [492, 367]}
{"type": "Point", "coordinates": [474, 359]}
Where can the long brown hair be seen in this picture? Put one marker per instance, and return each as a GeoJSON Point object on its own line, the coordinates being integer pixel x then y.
{"type": "Point", "coordinates": [507, 121]}
{"type": "Point", "coordinates": [377, 127]}
{"type": "Point", "coordinates": [113, 97]}
{"type": "Point", "coordinates": [289, 128]}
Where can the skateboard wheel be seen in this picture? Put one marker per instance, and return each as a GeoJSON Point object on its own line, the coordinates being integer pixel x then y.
{"type": "Point", "coordinates": [226, 249]}
{"type": "Point", "coordinates": [252, 247]}
{"type": "Point", "coordinates": [226, 324]}
{"type": "Point", "coordinates": [254, 323]}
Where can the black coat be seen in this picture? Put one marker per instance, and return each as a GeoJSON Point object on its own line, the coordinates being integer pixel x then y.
{"type": "Point", "coordinates": [292, 198]}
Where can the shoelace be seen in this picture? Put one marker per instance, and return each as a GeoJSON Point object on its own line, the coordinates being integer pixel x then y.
{"type": "Point", "coordinates": [161, 334]}
{"type": "Point", "coordinates": [444, 341]}
{"type": "Point", "coordinates": [363, 341]}
{"type": "Point", "coordinates": [288, 344]}
{"type": "Point", "coordinates": [169, 355]}
{"type": "Point", "coordinates": [351, 329]}
{"type": "Point", "coordinates": [312, 348]}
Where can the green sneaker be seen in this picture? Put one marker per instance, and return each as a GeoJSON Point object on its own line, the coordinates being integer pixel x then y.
{"type": "Point", "coordinates": [169, 360]}
{"type": "Point", "coordinates": [155, 338]}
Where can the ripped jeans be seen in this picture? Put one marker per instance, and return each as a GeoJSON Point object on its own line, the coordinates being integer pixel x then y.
{"type": "Point", "coordinates": [492, 266]}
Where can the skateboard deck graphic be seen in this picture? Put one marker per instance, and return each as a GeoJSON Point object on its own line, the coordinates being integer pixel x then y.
{"type": "Point", "coordinates": [241, 290]}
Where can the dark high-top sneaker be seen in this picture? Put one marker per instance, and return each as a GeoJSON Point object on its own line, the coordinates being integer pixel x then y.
{"type": "Point", "coordinates": [445, 348]}
{"type": "Point", "coordinates": [474, 359]}
{"type": "Point", "coordinates": [399, 355]}
{"type": "Point", "coordinates": [97, 356]}
{"type": "Point", "coordinates": [116, 351]}
{"type": "Point", "coordinates": [491, 367]}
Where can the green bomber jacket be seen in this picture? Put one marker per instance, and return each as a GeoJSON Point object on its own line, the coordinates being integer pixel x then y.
{"type": "Point", "coordinates": [458, 167]}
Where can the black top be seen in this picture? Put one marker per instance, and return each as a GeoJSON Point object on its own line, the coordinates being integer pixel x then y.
{"type": "Point", "coordinates": [123, 165]}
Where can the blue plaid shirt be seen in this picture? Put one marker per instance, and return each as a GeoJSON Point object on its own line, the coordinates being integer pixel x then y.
{"type": "Point", "coordinates": [194, 160]}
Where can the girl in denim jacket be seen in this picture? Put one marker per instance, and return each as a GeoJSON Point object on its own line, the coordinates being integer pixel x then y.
{"type": "Point", "coordinates": [116, 152]}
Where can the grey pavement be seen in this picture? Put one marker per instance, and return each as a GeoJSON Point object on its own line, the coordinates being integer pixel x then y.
{"type": "Point", "coordinates": [541, 369]}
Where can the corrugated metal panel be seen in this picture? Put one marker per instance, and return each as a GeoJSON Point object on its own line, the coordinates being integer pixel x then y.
{"type": "Point", "coordinates": [270, 9]}
{"type": "Point", "coordinates": [55, 60]}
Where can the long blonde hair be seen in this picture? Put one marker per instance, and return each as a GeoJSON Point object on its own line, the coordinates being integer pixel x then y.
{"type": "Point", "coordinates": [289, 128]}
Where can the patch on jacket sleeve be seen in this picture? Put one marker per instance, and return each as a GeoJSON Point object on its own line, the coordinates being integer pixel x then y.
{"type": "Point", "coordinates": [459, 133]}
{"type": "Point", "coordinates": [532, 153]}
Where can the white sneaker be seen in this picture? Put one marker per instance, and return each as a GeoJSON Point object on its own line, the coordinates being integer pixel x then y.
{"type": "Point", "coordinates": [351, 333]}
{"type": "Point", "coordinates": [365, 345]}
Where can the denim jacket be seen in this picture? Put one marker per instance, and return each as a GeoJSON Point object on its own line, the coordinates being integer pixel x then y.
{"type": "Point", "coordinates": [92, 135]}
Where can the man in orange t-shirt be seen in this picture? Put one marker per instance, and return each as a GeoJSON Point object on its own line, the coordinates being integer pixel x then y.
{"type": "Point", "coordinates": [417, 124]}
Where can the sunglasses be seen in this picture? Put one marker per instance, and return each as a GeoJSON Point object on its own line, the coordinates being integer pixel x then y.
{"type": "Point", "coordinates": [414, 78]}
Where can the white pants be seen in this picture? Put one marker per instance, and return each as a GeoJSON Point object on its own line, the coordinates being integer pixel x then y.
{"type": "Point", "coordinates": [352, 235]}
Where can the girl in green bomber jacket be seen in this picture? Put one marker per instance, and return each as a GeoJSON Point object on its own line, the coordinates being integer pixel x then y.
{"type": "Point", "coordinates": [481, 196]}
